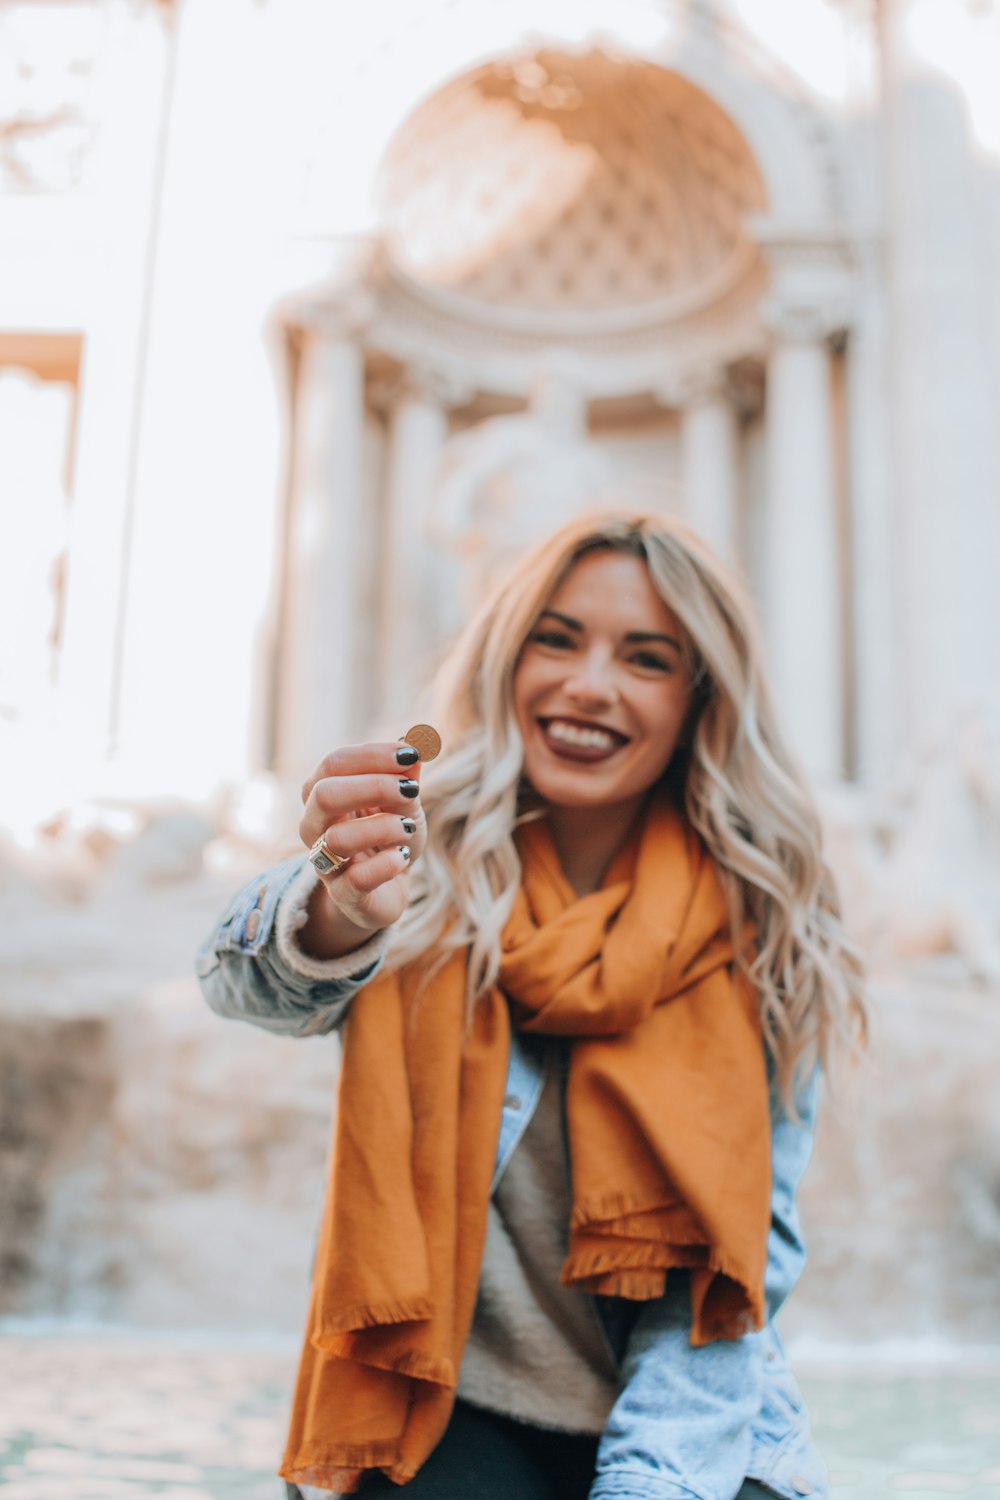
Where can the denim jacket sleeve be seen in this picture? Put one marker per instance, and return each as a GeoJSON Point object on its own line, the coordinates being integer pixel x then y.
{"type": "Point", "coordinates": [683, 1425]}
{"type": "Point", "coordinates": [249, 967]}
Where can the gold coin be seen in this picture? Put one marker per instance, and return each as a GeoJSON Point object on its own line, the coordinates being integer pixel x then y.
{"type": "Point", "coordinates": [425, 741]}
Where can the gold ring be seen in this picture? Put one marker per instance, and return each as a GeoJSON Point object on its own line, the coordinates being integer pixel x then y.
{"type": "Point", "coordinates": [324, 861]}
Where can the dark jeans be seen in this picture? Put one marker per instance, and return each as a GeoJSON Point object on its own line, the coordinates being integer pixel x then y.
{"type": "Point", "coordinates": [483, 1456]}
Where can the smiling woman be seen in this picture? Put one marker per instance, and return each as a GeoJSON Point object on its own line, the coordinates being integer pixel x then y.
{"type": "Point", "coordinates": [584, 1011]}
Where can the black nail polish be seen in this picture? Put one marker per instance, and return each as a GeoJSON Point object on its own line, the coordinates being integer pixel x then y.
{"type": "Point", "coordinates": [409, 825]}
{"type": "Point", "coordinates": [407, 756]}
{"type": "Point", "coordinates": [405, 851]}
{"type": "Point", "coordinates": [409, 788]}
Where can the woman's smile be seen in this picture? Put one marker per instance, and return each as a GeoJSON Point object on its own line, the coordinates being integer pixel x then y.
{"type": "Point", "coordinates": [578, 739]}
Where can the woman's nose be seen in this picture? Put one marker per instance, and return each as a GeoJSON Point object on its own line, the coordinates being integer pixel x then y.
{"type": "Point", "coordinates": [592, 681]}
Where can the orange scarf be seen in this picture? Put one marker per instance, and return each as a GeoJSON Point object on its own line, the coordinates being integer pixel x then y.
{"type": "Point", "coordinates": [669, 1132]}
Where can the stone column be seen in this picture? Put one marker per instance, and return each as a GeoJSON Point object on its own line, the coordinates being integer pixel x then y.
{"type": "Point", "coordinates": [874, 544]}
{"type": "Point", "coordinates": [325, 621]}
{"type": "Point", "coordinates": [801, 604]}
{"type": "Point", "coordinates": [418, 427]}
{"type": "Point", "coordinates": [709, 461]}
{"type": "Point", "coordinates": [944, 349]}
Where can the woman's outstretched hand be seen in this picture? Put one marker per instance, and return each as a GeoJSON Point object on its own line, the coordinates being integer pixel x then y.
{"type": "Point", "coordinates": [364, 802]}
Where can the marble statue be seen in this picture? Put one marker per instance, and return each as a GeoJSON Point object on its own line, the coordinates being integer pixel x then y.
{"type": "Point", "coordinates": [511, 479]}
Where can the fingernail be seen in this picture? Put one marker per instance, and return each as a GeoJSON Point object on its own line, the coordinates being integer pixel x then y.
{"type": "Point", "coordinates": [409, 788]}
{"type": "Point", "coordinates": [405, 851]}
{"type": "Point", "coordinates": [407, 756]}
{"type": "Point", "coordinates": [409, 825]}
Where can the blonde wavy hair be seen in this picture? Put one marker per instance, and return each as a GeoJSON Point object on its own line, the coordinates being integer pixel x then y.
{"type": "Point", "coordinates": [732, 774]}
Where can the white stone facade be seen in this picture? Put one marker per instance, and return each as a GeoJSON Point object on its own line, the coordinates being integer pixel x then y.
{"type": "Point", "coordinates": [276, 270]}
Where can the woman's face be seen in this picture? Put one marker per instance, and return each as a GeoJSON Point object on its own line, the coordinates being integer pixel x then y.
{"type": "Point", "coordinates": [601, 689]}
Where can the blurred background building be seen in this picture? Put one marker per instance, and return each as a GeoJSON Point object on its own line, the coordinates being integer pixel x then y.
{"type": "Point", "coordinates": [310, 316]}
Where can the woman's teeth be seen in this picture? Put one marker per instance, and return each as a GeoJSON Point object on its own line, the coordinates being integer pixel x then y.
{"type": "Point", "coordinates": [573, 734]}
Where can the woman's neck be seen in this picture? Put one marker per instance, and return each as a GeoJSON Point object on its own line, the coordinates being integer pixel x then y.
{"type": "Point", "coordinates": [587, 839]}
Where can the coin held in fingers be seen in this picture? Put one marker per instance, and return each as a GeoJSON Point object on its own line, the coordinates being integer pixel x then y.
{"type": "Point", "coordinates": [425, 740]}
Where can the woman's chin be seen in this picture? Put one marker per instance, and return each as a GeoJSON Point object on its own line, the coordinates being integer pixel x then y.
{"type": "Point", "coordinates": [581, 791]}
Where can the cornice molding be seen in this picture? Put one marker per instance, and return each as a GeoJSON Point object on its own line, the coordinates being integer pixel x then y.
{"type": "Point", "coordinates": [814, 278]}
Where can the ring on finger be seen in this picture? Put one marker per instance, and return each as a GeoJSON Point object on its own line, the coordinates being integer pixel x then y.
{"type": "Point", "coordinates": [324, 861]}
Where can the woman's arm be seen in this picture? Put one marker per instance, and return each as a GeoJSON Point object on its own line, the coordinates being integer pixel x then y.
{"type": "Point", "coordinates": [261, 962]}
{"type": "Point", "coordinates": [791, 1148]}
{"type": "Point", "coordinates": [682, 1427]}
{"type": "Point", "coordinates": [252, 968]}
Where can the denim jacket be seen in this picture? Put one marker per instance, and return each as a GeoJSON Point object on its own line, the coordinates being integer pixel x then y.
{"type": "Point", "coordinates": [688, 1424]}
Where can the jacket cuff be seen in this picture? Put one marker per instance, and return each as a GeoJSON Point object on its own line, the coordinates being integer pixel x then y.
{"type": "Point", "coordinates": [290, 918]}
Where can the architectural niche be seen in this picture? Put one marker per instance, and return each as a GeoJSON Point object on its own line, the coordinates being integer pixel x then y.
{"type": "Point", "coordinates": [595, 184]}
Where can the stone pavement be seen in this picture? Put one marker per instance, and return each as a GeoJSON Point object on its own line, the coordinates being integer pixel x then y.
{"type": "Point", "coordinates": [90, 1417]}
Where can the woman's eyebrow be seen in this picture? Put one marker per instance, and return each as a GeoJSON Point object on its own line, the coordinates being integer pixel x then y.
{"type": "Point", "coordinates": [652, 635]}
{"type": "Point", "coordinates": [632, 635]}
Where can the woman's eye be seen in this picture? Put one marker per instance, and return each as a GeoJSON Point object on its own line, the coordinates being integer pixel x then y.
{"type": "Point", "coordinates": [555, 638]}
{"type": "Point", "coordinates": [650, 660]}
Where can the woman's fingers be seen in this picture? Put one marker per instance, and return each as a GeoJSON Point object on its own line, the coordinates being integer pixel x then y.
{"type": "Point", "coordinates": [386, 756]}
{"type": "Point", "coordinates": [345, 796]}
{"type": "Point", "coordinates": [372, 892]}
{"type": "Point", "coordinates": [367, 874]}
{"type": "Point", "coordinates": [356, 836]}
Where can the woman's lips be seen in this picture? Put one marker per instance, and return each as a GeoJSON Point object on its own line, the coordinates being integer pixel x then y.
{"type": "Point", "coordinates": [580, 742]}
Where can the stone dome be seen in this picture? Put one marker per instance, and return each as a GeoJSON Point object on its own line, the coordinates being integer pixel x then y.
{"type": "Point", "coordinates": [558, 182]}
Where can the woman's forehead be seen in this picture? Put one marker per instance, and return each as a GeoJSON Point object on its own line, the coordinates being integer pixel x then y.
{"type": "Point", "coordinates": [610, 586]}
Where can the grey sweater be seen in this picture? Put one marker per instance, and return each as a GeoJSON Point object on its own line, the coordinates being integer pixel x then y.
{"type": "Point", "coordinates": [537, 1350]}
